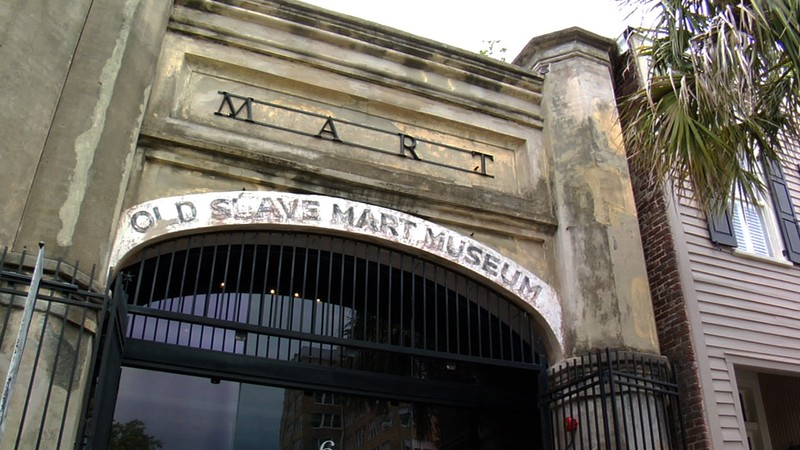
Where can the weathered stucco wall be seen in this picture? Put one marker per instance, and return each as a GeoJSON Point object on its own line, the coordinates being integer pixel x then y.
{"type": "Point", "coordinates": [37, 43]}
{"type": "Point", "coordinates": [603, 280]}
{"type": "Point", "coordinates": [373, 86]}
{"type": "Point", "coordinates": [67, 168]}
{"type": "Point", "coordinates": [155, 100]}
{"type": "Point", "coordinates": [240, 102]}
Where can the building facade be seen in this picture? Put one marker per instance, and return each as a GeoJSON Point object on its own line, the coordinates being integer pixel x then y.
{"type": "Point", "coordinates": [725, 295]}
{"type": "Point", "coordinates": [311, 231]}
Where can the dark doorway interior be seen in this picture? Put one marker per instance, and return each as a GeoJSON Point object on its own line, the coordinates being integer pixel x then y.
{"type": "Point", "coordinates": [192, 413]}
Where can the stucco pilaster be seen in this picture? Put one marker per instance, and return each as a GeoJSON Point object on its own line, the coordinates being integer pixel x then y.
{"type": "Point", "coordinates": [86, 154]}
{"type": "Point", "coordinates": [602, 275]}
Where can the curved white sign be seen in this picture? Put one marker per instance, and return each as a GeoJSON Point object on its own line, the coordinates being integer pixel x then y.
{"type": "Point", "coordinates": [163, 216]}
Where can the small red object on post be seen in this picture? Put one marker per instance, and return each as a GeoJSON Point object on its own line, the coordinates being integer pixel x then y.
{"type": "Point", "coordinates": [571, 424]}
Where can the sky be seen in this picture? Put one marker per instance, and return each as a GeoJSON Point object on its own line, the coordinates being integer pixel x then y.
{"type": "Point", "coordinates": [469, 24]}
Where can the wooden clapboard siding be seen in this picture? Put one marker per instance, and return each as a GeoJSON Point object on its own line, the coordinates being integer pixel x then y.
{"type": "Point", "coordinates": [749, 309]}
{"type": "Point", "coordinates": [721, 315]}
{"type": "Point", "coordinates": [728, 409]}
{"type": "Point", "coordinates": [737, 295]}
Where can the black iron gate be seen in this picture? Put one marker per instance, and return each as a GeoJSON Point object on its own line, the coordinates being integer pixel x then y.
{"type": "Point", "coordinates": [315, 303]}
{"type": "Point", "coordinates": [312, 311]}
{"type": "Point", "coordinates": [105, 368]}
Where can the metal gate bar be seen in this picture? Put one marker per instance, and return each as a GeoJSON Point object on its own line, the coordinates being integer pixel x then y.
{"type": "Point", "coordinates": [46, 401]}
{"type": "Point", "coordinates": [291, 296]}
{"type": "Point", "coordinates": [615, 400]}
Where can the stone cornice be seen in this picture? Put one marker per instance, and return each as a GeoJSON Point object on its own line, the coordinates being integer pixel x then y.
{"type": "Point", "coordinates": [564, 44]}
{"type": "Point", "coordinates": [371, 38]}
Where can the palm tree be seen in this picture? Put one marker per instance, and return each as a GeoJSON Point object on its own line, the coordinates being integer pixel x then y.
{"type": "Point", "coordinates": [720, 97]}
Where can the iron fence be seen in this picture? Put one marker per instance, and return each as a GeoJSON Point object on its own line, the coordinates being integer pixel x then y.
{"type": "Point", "coordinates": [46, 399]}
{"type": "Point", "coordinates": [615, 400]}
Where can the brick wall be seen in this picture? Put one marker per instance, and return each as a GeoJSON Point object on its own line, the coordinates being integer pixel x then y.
{"type": "Point", "coordinates": [669, 304]}
{"type": "Point", "coordinates": [672, 321]}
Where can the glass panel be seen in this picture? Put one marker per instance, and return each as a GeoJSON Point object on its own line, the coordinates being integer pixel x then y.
{"type": "Point", "coordinates": [177, 411]}
{"type": "Point", "coordinates": [192, 413]}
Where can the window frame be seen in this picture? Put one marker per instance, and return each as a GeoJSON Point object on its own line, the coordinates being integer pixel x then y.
{"type": "Point", "coordinates": [773, 240]}
{"type": "Point", "coordinates": [326, 420]}
{"type": "Point", "coordinates": [778, 210]}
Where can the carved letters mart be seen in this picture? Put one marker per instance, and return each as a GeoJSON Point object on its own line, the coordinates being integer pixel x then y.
{"type": "Point", "coordinates": [243, 109]}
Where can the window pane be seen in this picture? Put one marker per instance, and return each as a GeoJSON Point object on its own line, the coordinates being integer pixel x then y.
{"type": "Point", "coordinates": [750, 228]}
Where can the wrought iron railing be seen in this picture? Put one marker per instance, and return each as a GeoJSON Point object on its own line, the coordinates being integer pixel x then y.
{"type": "Point", "coordinates": [615, 400]}
{"type": "Point", "coordinates": [45, 401]}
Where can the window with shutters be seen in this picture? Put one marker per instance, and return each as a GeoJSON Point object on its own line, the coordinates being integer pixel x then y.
{"type": "Point", "coordinates": [756, 228]}
{"type": "Point", "coordinates": [766, 227]}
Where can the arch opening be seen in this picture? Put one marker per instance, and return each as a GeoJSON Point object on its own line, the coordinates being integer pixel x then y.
{"type": "Point", "coordinates": [272, 294]}
{"type": "Point", "coordinates": [381, 333]}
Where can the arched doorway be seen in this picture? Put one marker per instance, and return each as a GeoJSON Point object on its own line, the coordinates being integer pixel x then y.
{"type": "Point", "coordinates": [304, 340]}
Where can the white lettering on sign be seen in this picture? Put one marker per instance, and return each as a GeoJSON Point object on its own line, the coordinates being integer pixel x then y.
{"type": "Point", "coordinates": [164, 216]}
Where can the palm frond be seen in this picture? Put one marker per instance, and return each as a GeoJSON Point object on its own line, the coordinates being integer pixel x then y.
{"type": "Point", "coordinates": [722, 94]}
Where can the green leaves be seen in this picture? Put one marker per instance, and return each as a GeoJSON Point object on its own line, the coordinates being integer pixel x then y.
{"type": "Point", "coordinates": [493, 50]}
{"type": "Point", "coordinates": [132, 436]}
{"type": "Point", "coordinates": [721, 94]}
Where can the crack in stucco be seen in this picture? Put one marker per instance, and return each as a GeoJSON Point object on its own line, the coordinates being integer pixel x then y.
{"type": "Point", "coordinates": [86, 142]}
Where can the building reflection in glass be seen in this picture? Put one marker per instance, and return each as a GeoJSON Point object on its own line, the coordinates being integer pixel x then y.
{"type": "Point", "coordinates": [192, 413]}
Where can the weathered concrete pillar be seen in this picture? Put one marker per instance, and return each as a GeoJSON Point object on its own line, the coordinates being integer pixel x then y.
{"type": "Point", "coordinates": [37, 44]}
{"type": "Point", "coordinates": [602, 275]}
{"type": "Point", "coordinates": [73, 127]}
{"type": "Point", "coordinates": [77, 76]}
{"type": "Point", "coordinates": [613, 400]}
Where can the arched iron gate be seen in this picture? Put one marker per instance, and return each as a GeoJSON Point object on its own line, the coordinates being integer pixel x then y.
{"type": "Point", "coordinates": [286, 290]}
{"type": "Point", "coordinates": [312, 311]}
